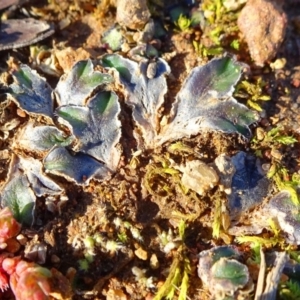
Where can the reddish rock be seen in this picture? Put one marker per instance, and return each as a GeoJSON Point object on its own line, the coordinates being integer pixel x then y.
{"type": "Point", "coordinates": [133, 14]}
{"type": "Point", "coordinates": [263, 24]}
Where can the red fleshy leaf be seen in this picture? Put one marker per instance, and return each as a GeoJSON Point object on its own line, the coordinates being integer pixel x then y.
{"type": "Point", "coordinates": [9, 227]}
{"type": "Point", "coordinates": [9, 264]}
{"type": "Point", "coordinates": [3, 280]}
{"type": "Point", "coordinates": [30, 282]}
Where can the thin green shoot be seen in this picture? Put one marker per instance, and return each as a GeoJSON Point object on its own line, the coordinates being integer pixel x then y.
{"type": "Point", "coordinates": [183, 23]}
{"type": "Point", "coordinates": [257, 241]}
{"type": "Point", "coordinates": [285, 182]}
{"type": "Point", "coordinates": [217, 219]}
{"type": "Point", "coordinates": [253, 92]}
{"type": "Point", "coordinates": [289, 290]}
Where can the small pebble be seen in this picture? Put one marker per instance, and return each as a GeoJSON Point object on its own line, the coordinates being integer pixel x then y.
{"type": "Point", "coordinates": [278, 64]}
{"type": "Point", "coordinates": [154, 263]}
{"type": "Point", "coordinates": [198, 176]}
{"type": "Point", "coordinates": [21, 113]}
{"type": "Point", "coordinates": [141, 254]}
{"type": "Point", "coordinates": [276, 154]}
{"type": "Point", "coordinates": [22, 239]}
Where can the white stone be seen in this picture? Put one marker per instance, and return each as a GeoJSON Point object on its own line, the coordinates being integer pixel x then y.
{"type": "Point", "coordinates": [199, 177]}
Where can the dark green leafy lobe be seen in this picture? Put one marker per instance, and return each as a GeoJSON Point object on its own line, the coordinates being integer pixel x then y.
{"type": "Point", "coordinates": [31, 92]}
{"type": "Point", "coordinates": [19, 197]}
{"type": "Point", "coordinates": [81, 81]}
{"type": "Point", "coordinates": [96, 126]}
{"type": "Point", "coordinates": [144, 92]}
{"type": "Point", "coordinates": [230, 273]}
{"type": "Point", "coordinates": [78, 167]}
{"type": "Point", "coordinates": [205, 102]}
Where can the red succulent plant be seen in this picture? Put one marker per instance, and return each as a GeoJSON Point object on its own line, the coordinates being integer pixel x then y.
{"type": "Point", "coordinates": [9, 227]}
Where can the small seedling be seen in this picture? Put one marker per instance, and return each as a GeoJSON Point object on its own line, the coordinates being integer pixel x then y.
{"type": "Point", "coordinates": [140, 276]}
{"type": "Point", "coordinates": [84, 265]}
{"type": "Point", "coordinates": [180, 147]}
{"type": "Point", "coordinates": [122, 237]}
{"type": "Point", "coordinates": [159, 175]}
{"type": "Point", "coordinates": [220, 29]}
{"type": "Point", "coordinates": [289, 290]}
{"type": "Point", "coordinates": [235, 44]}
{"type": "Point", "coordinates": [253, 92]}
{"type": "Point", "coordinates": [269, 242]}
{"type": "Point", "coordinates": [134, 162]}
{"type": "Point", "coordinates": [221, 220]}
{"type": "Point", "coordinates": [213, 10]}
{"type": "Point", "coordinates": [295, 255]}
{"type": "Point", "coordinates": [274, 137]}
{"type": "Point", "coordinates": [284, 181]}
{"type": "Point", "coordinates": [89, 245]}
{"type": "Point", "coordinates": [217, 219]}
{"type": "Point", "coordinates": [113, 247]}
{"type": "Point", "coordinates": [203, 51]}
{"type": "Point", "coordinates": [183, 23]}
{"type": "Point", "coordinates": [178, 277]}
{"type": "Point", "coordinates": [271, 142]}
{"type": "Point", "coordinates": [255, 257]}
{"type": "Point", "coordinates": [135, 232]}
